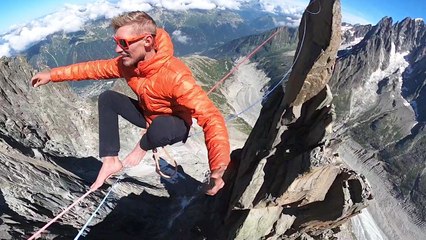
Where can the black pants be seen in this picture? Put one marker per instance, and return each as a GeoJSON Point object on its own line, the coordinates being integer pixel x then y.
{"type": "Point", "coordinates": [163, 130]}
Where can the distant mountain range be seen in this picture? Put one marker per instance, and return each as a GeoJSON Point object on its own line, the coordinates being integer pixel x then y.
{"type": "Point", "coordinates": [192, 32]}
{"type": "Point", "coordinates": [379, 92]}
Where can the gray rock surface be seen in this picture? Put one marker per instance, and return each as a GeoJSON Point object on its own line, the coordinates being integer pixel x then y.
{"type": "Point", "coordinates": [43, 132]}
{"type": "Point", "coordinates": [37, 118]}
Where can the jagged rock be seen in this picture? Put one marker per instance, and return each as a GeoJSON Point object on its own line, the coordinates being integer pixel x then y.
{"type": "Point", "coordinates": [284, 183]}
{"type": "Point", "coordinates": [36, 117]}
{"type": "Point", "coordinates": [353, 33]}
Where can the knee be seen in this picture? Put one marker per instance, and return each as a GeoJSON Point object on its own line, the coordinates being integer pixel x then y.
{"type": "Point", "coordinates": [154, 139]}
{"type": "Point", "coordinates": [105, 97]}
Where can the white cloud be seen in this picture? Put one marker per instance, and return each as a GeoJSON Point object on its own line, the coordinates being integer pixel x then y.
{"type": "Point", "coordinates": [178, 36]}
{"type": "Point", "coordinates": [186, 4]}
{"type": "Point", "coordinates": [222, 4]}
{"type": "Point", "coordinates": [196, 4]}
{"type": "Point", "coordinates": [295, 8]}
{"type": "Point", "coordinates": [290, 7]}
{"type": "Point", "coordinates": [72, 17]}
{"type": "Point", "coordinates": [5, 49]}
{"type": "Point", "coordinates": [130, 5]}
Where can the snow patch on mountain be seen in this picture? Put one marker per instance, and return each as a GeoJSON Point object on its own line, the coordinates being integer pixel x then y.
{"type": "Point", "coordinates": [349, 45]}
{"type": "Point", "coordinates": [365, 228]}
{"type": "Point", "coordinates": [366, 95]}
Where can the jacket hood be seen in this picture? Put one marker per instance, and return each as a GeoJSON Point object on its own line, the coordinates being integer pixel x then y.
{"type": "Point", "coordinates": [164, 48]}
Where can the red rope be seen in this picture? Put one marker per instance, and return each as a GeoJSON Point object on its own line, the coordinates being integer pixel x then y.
{"type": "Point", "coordinates": [38, 233]}
{"type": "Point", "coordinates": [239, 64]}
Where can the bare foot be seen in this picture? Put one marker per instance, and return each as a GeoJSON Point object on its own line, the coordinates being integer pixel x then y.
{"type": "Point", "coordinates": [135, 157]}
{"type": "Point", "coordinates": [110, 166]}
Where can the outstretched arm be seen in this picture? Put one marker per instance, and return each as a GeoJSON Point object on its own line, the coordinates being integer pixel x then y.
{"type": "Point", "coordinates": [99, 69]}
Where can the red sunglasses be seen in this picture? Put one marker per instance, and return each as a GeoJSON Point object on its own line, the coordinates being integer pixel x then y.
{"type": "Point", "coordinates": [125, 43]}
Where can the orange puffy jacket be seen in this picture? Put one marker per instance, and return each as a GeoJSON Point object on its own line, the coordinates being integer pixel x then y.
{"type": "Point", "coordinates": [164, 86]}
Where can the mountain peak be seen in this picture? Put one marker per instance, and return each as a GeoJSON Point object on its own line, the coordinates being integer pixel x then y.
{"type": "Point", "coordinates": [385, 21]}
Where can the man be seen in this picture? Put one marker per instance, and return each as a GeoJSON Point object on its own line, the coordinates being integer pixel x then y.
{"type": "Point", "coordinates": [168, 98]}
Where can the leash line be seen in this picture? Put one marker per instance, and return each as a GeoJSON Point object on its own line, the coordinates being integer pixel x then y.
{"type": "Point", "coordinates": [97, 209]}
{"type": "Point", "coordinates": [234, 116]}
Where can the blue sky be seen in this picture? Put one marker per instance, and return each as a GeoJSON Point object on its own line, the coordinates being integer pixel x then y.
{"type": "Point", "coordinates": [22, 11]}
{"type": "Point", "coordinates": [23, 23]}
{"type": "Point", "coordinates": [374, 10]}
{"type": "Point", "coordinates": [15, 12]}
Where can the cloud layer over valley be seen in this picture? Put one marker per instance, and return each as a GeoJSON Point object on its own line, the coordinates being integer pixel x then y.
{"type": "Point", "coordinates": [72, 18]}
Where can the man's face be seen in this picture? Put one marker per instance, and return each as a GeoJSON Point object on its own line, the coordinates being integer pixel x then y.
{"type": "Point", "coordinates": [130, 45]}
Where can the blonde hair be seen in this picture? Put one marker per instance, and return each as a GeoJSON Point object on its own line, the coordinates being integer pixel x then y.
{"type": "Point", "coordinates": [140, 21]}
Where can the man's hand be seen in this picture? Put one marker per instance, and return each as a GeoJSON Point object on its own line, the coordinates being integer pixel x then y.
{"type": "Point", "coordinates": [216, 181]}
{"type": "Point", "coordinates": [40, 78]}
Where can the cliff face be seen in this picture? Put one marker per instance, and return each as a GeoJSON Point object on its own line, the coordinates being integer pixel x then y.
{"type": "Point", "coordinates": [41, 131]}
{"type": "Point", "coordinates": [37, 118]}
{"type": "Point", "coordinates": [285, 182]}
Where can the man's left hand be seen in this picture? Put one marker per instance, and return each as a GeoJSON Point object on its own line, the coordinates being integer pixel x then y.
{"type": "Point", "coordinates": [216, 181]}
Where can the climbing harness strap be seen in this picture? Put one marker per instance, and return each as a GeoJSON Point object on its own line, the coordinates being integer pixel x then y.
{"type": "Point", "coordinates": [157, 163]}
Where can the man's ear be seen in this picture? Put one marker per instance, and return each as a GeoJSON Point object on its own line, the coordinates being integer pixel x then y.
{"type": "Point", "coordinates": [149, 41]}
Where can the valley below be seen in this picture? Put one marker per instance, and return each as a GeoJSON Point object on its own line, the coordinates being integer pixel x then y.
{"type": "Point", "coordinates": [389, 213]}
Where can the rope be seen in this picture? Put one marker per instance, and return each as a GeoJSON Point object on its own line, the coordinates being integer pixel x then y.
{"type": "Point", "coordinates": [239, 64]}
{"type": "Point", "coordinates": [157, 164]}
{"type": "Point", "coordinates": [236, 68]}
{"type": "Point", "coordinates": [38, 233]}
{"type": "Point", "coordinates": [314, 13]}
{"type": "Point", "coordinates": [97, 209]}
{"type": "Point", "coordinates": [277, 84]}
{"type": "Point", "coordinates": [234, 116]}
{"type": "Point", "coordinates": [258, 48]}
